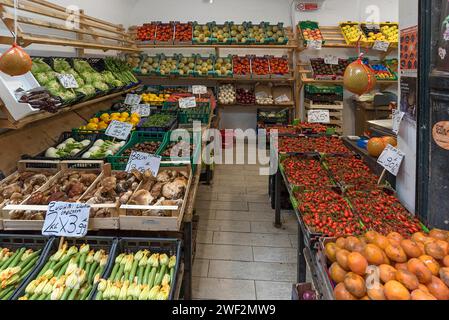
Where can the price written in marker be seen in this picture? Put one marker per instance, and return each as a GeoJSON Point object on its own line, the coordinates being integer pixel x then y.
{"type": "Point", "coordinates": [119, 130]}
{"type": "Point", "coordinates": [68, 81]}
{"type": "Point", "coordinates": [381, 45]}
{"type": "Point", "coordinates": [142, 161]}
{"type": "Point", "coordinates": [315, 44]}
{"type": "Point", "coordinates": [142, 110]}
{"type": "Point", "coordinates": [318, 116]}
{"type": "Point", "coordinates": [132, 99]}
{"type": "Point", "coordinates": [331, 59]}
{"type": "Point", "coordinates": [199, 89]}
{"type": "Point", "coordinates": [397, 119]}
{"type": "Point", "coordinates": [186, 103]}
{"type": "Point", "coordinates": [65, 219]}
{"type": "Point", "coordinates": [391, 159]}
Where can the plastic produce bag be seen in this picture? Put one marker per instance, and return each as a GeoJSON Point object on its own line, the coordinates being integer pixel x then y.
{"type": "Point", "coordinates": [359, 78]}
{"type": "Point", "coordinates": [15, 61]}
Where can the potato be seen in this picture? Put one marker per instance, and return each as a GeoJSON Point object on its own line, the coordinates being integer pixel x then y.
{"type": "Point", "coordinates": [408, 279]}
{"type": "Point", "coordinates": [373, 254]}
{"type": "Point", "coordinates": [431, 263]}
{"type": "Point", "coordinates": [394, 290]}
{"type": "Point", "coordinates": [387, 273]}
{"type": "Point", "coordinates": [396, 253]}
{"type": "Point", "coordinates": [355, 284]}
{"type": "Point", "coordinates": [341, 293]}
{"type": "Point", "coordinates": [337, 273]}
{"type": "Point", "coordinates": [357, 263]}
{"type": "Point", "coordinates": [342, 258]}
{"type": "Point", "coordinates": [419, 269]}
{"type": "Point", "coordinates": [411, 248]}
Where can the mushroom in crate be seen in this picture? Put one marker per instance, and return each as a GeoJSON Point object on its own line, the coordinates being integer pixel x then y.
{"type": "Point", "coordinates": [168, 188]}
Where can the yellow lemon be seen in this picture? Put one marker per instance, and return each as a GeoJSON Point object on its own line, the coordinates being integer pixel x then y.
{"type": "Point", "coordinates": [124, 115]}
{"type": "Point", "coordinates": [92, 126]}
{"type": "Point", "coordinates": [94, 120]}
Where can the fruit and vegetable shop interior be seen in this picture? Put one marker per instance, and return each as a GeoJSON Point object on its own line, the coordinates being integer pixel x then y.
{"type": "Point", "coordinates": [224, 150]}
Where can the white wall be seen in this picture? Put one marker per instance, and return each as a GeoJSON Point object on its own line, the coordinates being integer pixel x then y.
{"type": "Point", "coordinates": [406, 180]}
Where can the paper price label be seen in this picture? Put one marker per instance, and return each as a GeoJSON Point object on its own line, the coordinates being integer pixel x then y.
{"type": "Point", "coordinates": [381, 45]}
{"type": "Point", "coordinates": [199, 89]}
{"type": "Point", "coordinates": [68, 81]}
{"type": "Point", "coordinates": [119, 130]}
{"type": "Point", "coordinates": [66, 219]}
{"type": "Point", "coordinates": [391, 159]}
{"type": "Point", "coordinates": [315, 44]}
{"type": "Point", "coordinates": [132, 99]}
{"type": "Point", "coordinates": [331, 59]}
{"type": "Point", "coordinates": [142, 110]}
{"type": "Point", "coordinates": [397, 119]}
{"type": "Point", "coordinates": [282, 98]}
{"type": "Point", "coordinates": [141, 161]}
{"type": "Point", "coordinates": [185, 103]}
{"type": "Point", "coordinates": [319, 116]}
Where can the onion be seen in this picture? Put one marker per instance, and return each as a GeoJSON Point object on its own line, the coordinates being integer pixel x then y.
{"type": "Point", "coordinates": [15, 61]}
{"type": "Point", "coordinates": [309, 295]}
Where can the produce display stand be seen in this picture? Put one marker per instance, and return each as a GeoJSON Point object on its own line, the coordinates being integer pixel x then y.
{"type": "Point", "coordinates": [92, 33]}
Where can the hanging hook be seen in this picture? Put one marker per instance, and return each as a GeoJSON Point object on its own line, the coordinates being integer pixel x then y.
{"type": "Point", "coordinates": [15, 20]}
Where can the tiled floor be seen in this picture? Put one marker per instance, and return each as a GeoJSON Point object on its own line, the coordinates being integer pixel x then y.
{"type": "Point", "coordinates": [240, 254]}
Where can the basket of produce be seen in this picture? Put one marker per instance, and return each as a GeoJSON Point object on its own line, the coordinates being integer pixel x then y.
{"type": "Point", "coordinates": [134, 60]}
{"type": "Point", "coordinates": [183, 33]}
{"type": "Point", "coordinates": [279, 67]}
{"type": "Point", "coordinates": [141, 141]}
{"type": "Point", "coordinates": [321, 70]}
{"type": "Point", "coordinates": [158, 122]}
{"type": "Point", "coordinates": [176, 149]}
{"type": "Point", "coordinates": [223, 32]}
{"type": "Point", "coordinates": [101, 120]}
{"type": "Point", "coordinates": [204, 66]}
{"type": "Point", "coordinates": [353, 34]}
{"type": "Point", "coordinates": [277, 33]}
{"type": "Point", "coordinates": [391, 33]}
{"type": "Point", "coordinates": [19, 257]}
{"type": "Point", "coordinates": [70, 146]}
{"type": "Point", "coordinates": [69, 271]}
{"type": "Point", "coordinates": [159, 202]}
{"type": "Point", "coordinates": [168, 65]}
{"type": "Point", "coordinates": [223, 67]}
{"type": "Point", "coordinates": [243, 35]}
{"type": "Point", "coordinates": [310, 30]}
{"type": "Point", "coordinates": [340, 68]}
{"type": "Point", "coordinates": [200, 113]}
{"type": "Point", "coordinates": [149, 65]}
{"type": "Point", "coordinates": [104, 146]}
{"type": "Point", "coordinates": [147, 32]}
{"type": "Point", "coordinates": [260, 67]}
{"type": "Point", "coordinates": [121, 71]}
{"type": "Point", "coordinates": [382, 72]}
{"type": "Point", "coordinates": [202, 34]}
{"type": "Point", "coordinates": [351, 172]}
{"type": "Point", "coordinates": [153, 274]}
{"type": "Point", "coordinates": [99, 65]}
{"type": "Point", "coordinates": [155, 99]}
{"type": "Point", "coordinates": [245, 95]}
{"type": "Point", "coordinates": [227, 94]}
{"type": "Point", "coordinates": [187, 66]}
{"type": "Point", "coordinates": [260, 33]}
{"type": "Point", "coordinates": [372, 32]}
{"type": "Point", "coordinates": [272, 117]}
{"type": "Point", "coordinates": [67, 185]}
{"type": "Point", "coordinates": [31, 175]}
{"type": "Point", "coordinates": [92, 77]}
{"type": "Point", "coordinates": [165, 33]}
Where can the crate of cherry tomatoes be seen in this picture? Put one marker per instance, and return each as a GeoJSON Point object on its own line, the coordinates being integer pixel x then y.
{"type": "Point", "coordinates": [165, 33]}
{"type": "Point", "coordinates": [183, 33]}
{"type": "Point", "coordinates": [279, 67]}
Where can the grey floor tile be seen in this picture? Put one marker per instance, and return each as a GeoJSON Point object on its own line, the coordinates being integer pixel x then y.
{"type": "Point", "coordinates": [243, 216]}
{"type": "Point", "coordinates": [200, 267]}
{"type": "Point", "coordinates": [252, 270]}
{"type": "Point", "coordinates": [257, 190]}
{"type": "Point", "coordinates": [252, 239]}
{"type": "Point", "coordinates": [221, 205]}
{"type": "Point", "coordinates": [224, 225]}
{"type": "Point", "coordinates": [262, 198]}
{"type": "Point", "coordinates": [268, 227]}
{"type": "Point", "coordinates": [205, 214]}
{"type": "Point", "coordinates": [280, 255]}
{"type": "Point", "coordinates": [206, 196]}
{"type": "Point", "coordinates": [223, 178]}
{"type": "Point", "coordinates": [293, 240]}
{"type": "Point", "coordinates": [257, 206]}
{"type": "Point", "coordinates": [232, 197]}
{"type": "Point", "coordinates": [227, 189]}
{"type": "Point", "coordinates": [269, 290]}
{"type": "Point", "coordinates": [224, 252]}
{"type": "Point", "coordinates": [205, 236]}
{"type": "Point", "coordinates": [223, 289]}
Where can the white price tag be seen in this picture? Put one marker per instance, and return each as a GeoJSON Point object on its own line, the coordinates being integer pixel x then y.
{"type": "Point", "coordinates": [381, 45]}
{"type": "Point", "coordinates": [319, 116]}
{"type": "Point", "coordinates": [199, 89]}
{"type": "Point", "coordinates": [141, 161]}
{"type": "Point", "coordinates": [119, 130]}
{"type": "Point", "coordinates": [331, 59]}
{"type": "Point", "coordinates": [282, 98]}
{"type": "Point", "coordinates": [315, 44]}
{"type": "Point", "coordinates": [68, 81]}
{"type": "Point", "coordinates": [397, 119]}
{"type": "Point", "coordinates": [142, 110]}
{"type": "Point", "coordinates": [185, 103]}
{"type": "Point", "coordinates": [391, 159]}
{"type": "Point", "coordinates": [133, 99]}
{"type": "Point", "coordinates": [65, 219]}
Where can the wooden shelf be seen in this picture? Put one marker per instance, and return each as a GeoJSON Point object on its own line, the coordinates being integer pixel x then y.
{"type": "Point", "coordinates": [10, 124]}
{"type": "Point", "coordinates": [290, 105]}
{"type": "Point", "coordinates": [89, 33]}
{"type": "Point", "coordinates": [198, 79]}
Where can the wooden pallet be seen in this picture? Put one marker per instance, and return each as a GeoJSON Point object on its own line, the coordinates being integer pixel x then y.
{"type": "Point", "coordinates": [89, 33]}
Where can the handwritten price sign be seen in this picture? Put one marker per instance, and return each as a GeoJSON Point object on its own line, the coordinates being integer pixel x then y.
{"type": "Point", "coordinates": [331, 59]}
{"type": "Point", "coordinates": [397, 119]}
{"type": "Point", "coordinates": [315, 44]}
{"type": "Point", "coordinates": [381, 45]}
{"type": "Point", "coordinates": [199, 89]}
{"type": "Point", "coordinates": [142, 161]}
{"type": "Point", "coordinates": [68, 81]}
{"type": "Point", "coordinates": [132, 99]}
{"type": "Point", "coordinates": [391, 159]}
{"type": "Point", "coordinates": [319, 116]}
{"type": "Point", "coordinates": [119, 130]}
{"type": "Point", "coordinates": [142, 110]}
{"type": "Point", "coordinates": [66, 219]}
{"type": "Point", "coordinates": [186, 103]}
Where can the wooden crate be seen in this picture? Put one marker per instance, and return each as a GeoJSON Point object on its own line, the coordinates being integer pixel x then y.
{"type": "Point", "coordinates": [155, 223]}
{"type": "Point", "coordinates": [34, 225]}
{"type": "Point", "coordinates": [335, 112]}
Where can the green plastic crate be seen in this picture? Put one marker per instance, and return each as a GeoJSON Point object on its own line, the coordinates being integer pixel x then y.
{"type": "Point", "coordinates": [193, 157]}
{"type": "Point", "coordinates": [119, 162]}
